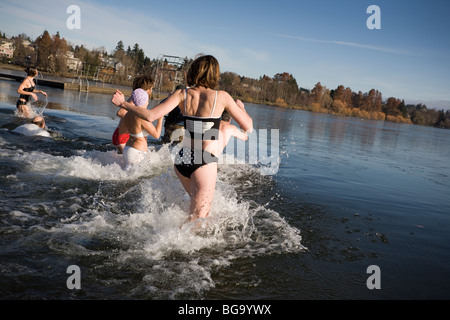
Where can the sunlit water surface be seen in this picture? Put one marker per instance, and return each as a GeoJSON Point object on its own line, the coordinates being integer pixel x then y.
{"type": "Point", "coordinates": [344, 194]}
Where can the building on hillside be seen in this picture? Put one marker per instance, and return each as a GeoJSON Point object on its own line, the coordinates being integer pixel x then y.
{"type": "Point", "coordinates": [6, 49]}
{"type": "Point", "coordinates": [72, 62]}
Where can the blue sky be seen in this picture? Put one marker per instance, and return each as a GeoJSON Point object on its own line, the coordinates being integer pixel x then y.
{"type": "Point", "coordinates": [316, 41]}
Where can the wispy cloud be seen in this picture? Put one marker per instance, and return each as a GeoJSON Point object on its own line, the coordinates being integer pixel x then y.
{"type": "Point", "coordinates": [104, 25]}
{"type": "Point", "coordinates": [256, 55]}
{"type": "Point", "coordinates": [348, 44]}
{"type": "Point", "coordinates": [101, 25]}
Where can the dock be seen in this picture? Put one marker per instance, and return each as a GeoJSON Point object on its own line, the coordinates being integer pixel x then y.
{"type": "Point", "coordinates": [82, 85]}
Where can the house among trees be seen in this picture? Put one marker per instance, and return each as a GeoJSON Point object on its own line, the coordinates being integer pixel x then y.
{"type": "Point", "coordinates": [6, 49]}
{"type": "Point", "coordinates": [73, 63]}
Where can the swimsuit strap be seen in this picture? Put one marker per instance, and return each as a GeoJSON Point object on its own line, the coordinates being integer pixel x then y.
{"type": "Point", "coordinates": [215, 102]}
{"type": "Point", "coordinates": [185, 103]}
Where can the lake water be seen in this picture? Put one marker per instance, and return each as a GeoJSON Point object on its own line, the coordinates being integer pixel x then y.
{"type": "Point", "coordinates": [346, 194]}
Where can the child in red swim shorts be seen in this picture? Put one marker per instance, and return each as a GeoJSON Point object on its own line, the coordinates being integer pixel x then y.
{"type": "Point", "coordinates": [120, 136]}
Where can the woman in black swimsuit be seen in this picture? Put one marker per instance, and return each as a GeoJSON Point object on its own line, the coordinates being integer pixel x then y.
{"type": "Point", "coordinates": [27, 89]}
{"type": "Point", "coordinates": [202, 107]}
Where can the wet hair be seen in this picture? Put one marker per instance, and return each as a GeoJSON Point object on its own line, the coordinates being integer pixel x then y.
{"type": "Point", "coordinates": [205, 72]}
{"type": "Point", "coordinates": [226, 116]}
{"type": "Point", "coordinates": [31, 72]}
{"type": "Point", "coordinates": [40, 122]}
{"type": "Point", "coordinates": [143, 82]}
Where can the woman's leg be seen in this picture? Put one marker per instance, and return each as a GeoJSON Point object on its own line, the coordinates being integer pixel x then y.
{"type": "Point", "coordinates": [202, 186]}
{"type": "Point", "coordinates": [24, 109]}
{"type": "Point", "coordinates": [186, 182]}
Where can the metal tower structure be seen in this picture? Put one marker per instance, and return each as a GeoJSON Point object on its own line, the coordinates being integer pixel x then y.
{"type": "Point", "coordinates": [171, 67]}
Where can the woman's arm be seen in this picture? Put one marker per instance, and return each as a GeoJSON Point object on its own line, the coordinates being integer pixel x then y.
{"type": "Point", "coordinates": [149, 115]}
{"type": "Point", "coordinates": [121, 113]}
{"type": "Point", "coordinates": [40, 91]}
{"type": "Point", "coordinates": [150, 128]}
{"type": "Point", "coordinates": [239, 134]}
{"type": "Point", "coordinates": [237, 111]}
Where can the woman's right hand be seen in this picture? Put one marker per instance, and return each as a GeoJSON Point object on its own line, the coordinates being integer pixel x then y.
{"type": "Point", "coordinates": [118, 98]}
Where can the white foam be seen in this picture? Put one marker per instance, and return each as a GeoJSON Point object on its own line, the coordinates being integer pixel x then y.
{"type": "Point", "coordinates": [184, 256]}
{"type": "Point", "coordinates": [32, 112]}
{"type": "Point", "coordinates": [21, 216]}
{"type": "Point", "coordinates": [152, 231]}
{"type": "Point", "coordinates": [93, 165]}
{"type": "Point", "coordinates": [30, 130]}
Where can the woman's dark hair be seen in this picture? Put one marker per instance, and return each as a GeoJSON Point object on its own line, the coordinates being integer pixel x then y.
{"type": "Point", "coordinates": [143, 82]}
{"type": "Point", "coordinates": [31, 72]}
{"type": "Point", "coordinates": [226, 116]}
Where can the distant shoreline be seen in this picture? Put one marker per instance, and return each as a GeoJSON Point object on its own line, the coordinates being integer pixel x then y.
{"type": "Point", "coordinates": [16, 73]}
{"type": "Point", "coordinates": [76, 84]}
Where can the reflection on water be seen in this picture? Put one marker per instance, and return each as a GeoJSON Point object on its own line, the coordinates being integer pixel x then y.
{"type": "Point", "coordinates": [90, 103]}
{"type": "Point", "coordinates": [334, 131]}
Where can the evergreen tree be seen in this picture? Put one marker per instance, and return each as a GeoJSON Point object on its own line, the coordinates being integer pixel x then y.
{"type": "Point", "coordinates": [44, 45]}
{"type": "Point", "coordinates": [403, 110]}
{"type": "Point", "coordinates": [120, 46]}
{"type": "Point", "coordinates": [440, 122]}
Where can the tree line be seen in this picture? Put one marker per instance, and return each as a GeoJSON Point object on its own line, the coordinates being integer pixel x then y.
{"type": "Point", "coordinates": [282, 90]}
{"type": "Point", "coordinates": [49, 53]}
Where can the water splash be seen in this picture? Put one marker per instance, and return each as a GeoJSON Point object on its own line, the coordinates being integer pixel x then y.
{"type": "Point", "coordinates": [127, 228]}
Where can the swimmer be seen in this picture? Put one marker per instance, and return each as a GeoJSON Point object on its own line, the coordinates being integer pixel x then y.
{"type": "Point", "coordinates": [121, 135]}
{"type": "Point", "coordinates": [138, 129]}
{"type": "Point", "coordinates": [37, 127]}
{"type": "Point", "coordinates": [202, 106]}
{"type": "Point", "coordinates": [39, 121]}
{"type": "Point", "coordinates": [173, 123]}
{"type": "Point", "coordinates": [27, 89]}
